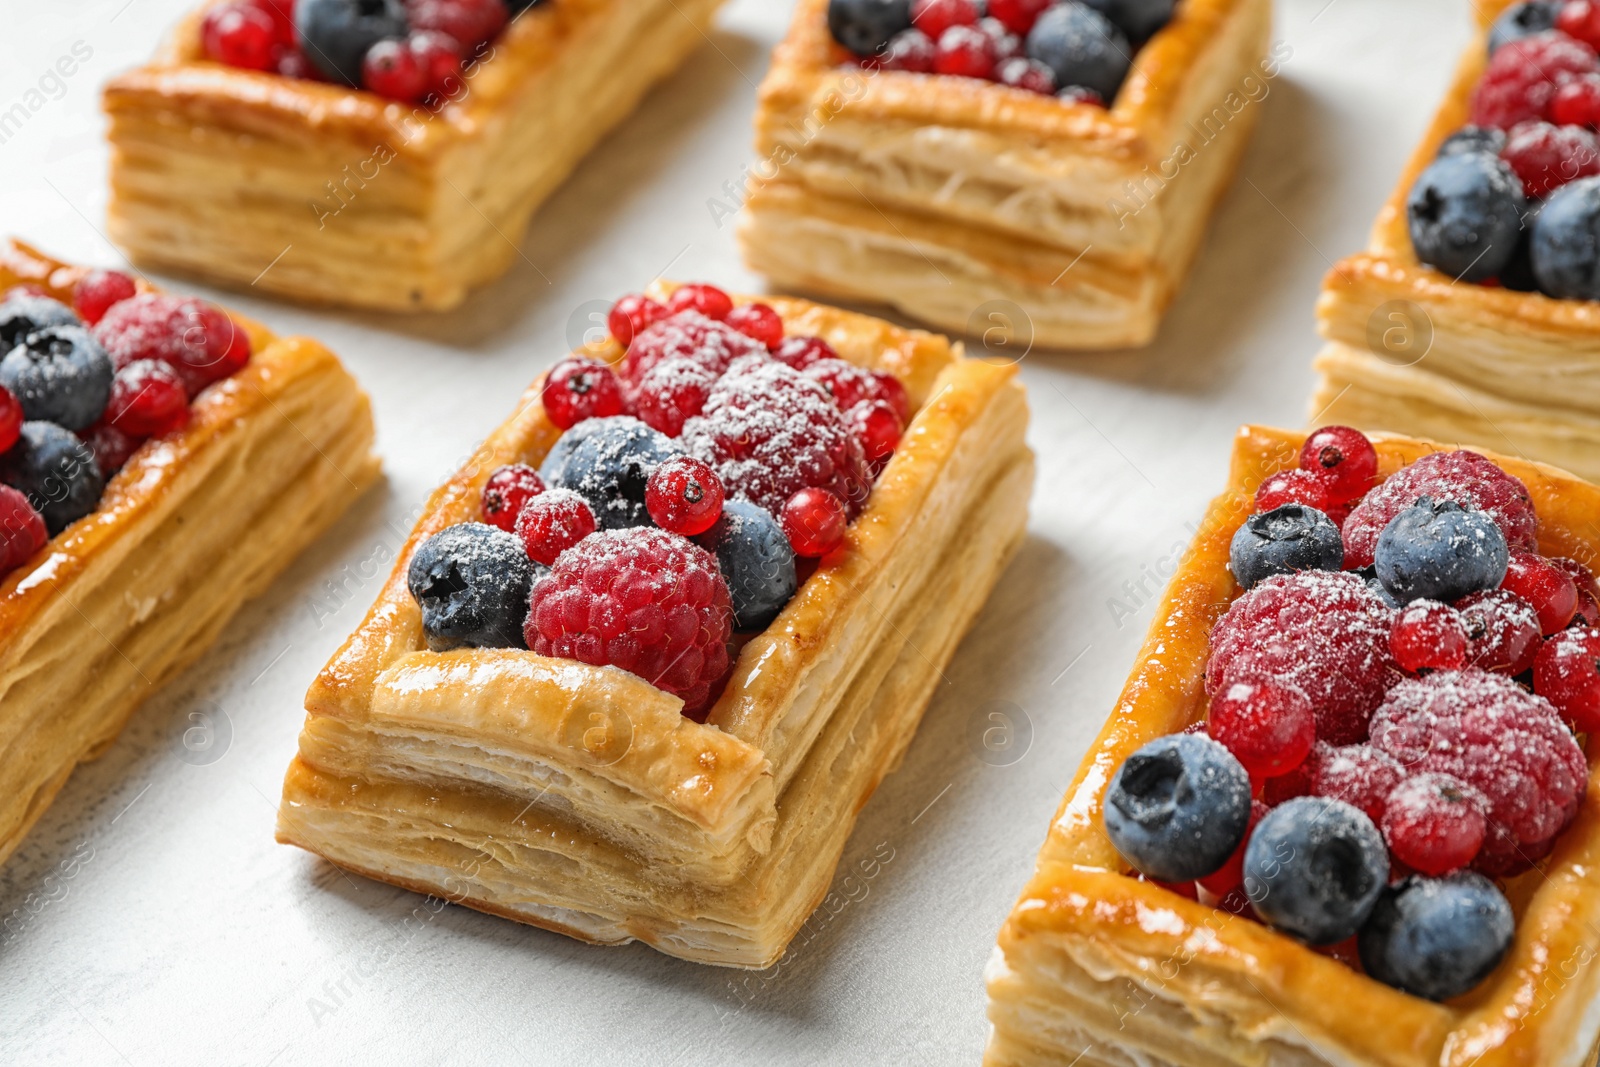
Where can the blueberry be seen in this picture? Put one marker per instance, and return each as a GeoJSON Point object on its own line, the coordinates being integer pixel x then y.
{"type": "Point", "coordinates": [1291, 538]}
{"type": "Point", "coordinates": [1523, 20]}
{"type": "Point", "coordinates": [517, 7]}
{"type": "Point", "coordinates": [1465, 212]}
{"type": "Point", "coordinates": [61, 375]}
{"type": "Point", "coordinates": [1177, 808]}
{"type": "Point", "coordinates": [865, 26]}
{"type": "Point", "coordinates": [1370, 576]}
{"type": "Point", "coordinates": [1518, 275]}
{"type": "Point", "coordinates": [1484, 140]}
{"type": "Point", "coordinates": [1138, 19]}
{"type": "Point", "coordinates": [336, 34]}
{"type": "Point", "coordinates": [1566, 242]}
{"type": "Point", "coordinates": [1315, 868]}
{"type": "Point", "coordinates": [608, 462]}
{"type": "Point", "coordinates": [756, 560]}
{"type": "Point", "coordinates": [1081, 47]}
{"type": "Point", "coordinates": [1437, 937]}
{"type": "Point", "coordinates": [56, 472]}
{"type": "Point", "coordinates": [1437, 550]}
{"type": "Point", "coordinates": [473, 582]}
{"type": "Point", "coordinates": [22, 314]}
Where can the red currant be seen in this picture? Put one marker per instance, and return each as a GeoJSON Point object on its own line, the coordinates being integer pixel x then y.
{"type": "Point", "coordinates": [815, 521]}
{"type": "Point", "coordinates": [1576, 103]}
{"type": "Point", "coordinates": [148, 399]}
{"type": "Point", "coordinates": [684, 496]}
{"type": "Point", "coordinates": [96, 291]}
{"type": "Point", "coordinates": [1502, 631]}
{"type": "Point", "coordinates": [10, 419]}
{"type": "Point", "coordinates": [507, 489]}
{"type": "Point", "coordinates": [439, 55]}
{"type": "Point", "coordinates": [1588, 590]}
{"type": "Point", "coordinates": [1007, 45]}
{"type": "Point", "coordinates": [1020, 72]}
{"type": "Point", "coordinates": [1428, 636]}
{"type": "Point", "coordinates": [1018, 15]}
{"type": "Point", "coordinates": [240, 35]}
{"type": "Point", "coordinates": [758, 321]}
{"type": "Point", "coordinates": [1580, 19]}
{"type": "Point", "coordinates": [393, 70]}
{"type": "Point", "coordinates": [891, 391]}
{"type": "Point", "coordinates": [1230, 875]}
{"type": "Point", "coordinates": [22, 530]}
{"type": "Point", "coordinates": [1547, 587]}
{"type": "Point", "coordinates": [470, 22]}
{"type": "Point", "coordinates": [1546, 157]}
{"type": "Point", "coordinates": [965, 51]}
{"type": "Point", "coordinates": [933, 17]}
{"type": "Point", "coordinates": [1293, 487]}
{"type": "Point", "coordinates": [910, 50]}
{"type": "Point", "coordinates": [631, 315]}
{"type": "Point", "coordinates": [1344, 458]}
{"type": "Point", "coordinates": [578, 389]}
{"type": "Point", "coordinates": [553, 522]}
{"type": "Point", "coordinates": [800, 352]}
{"type": "Point", "coordinates": [710, 301]}
{"type": "Point", "coordinates": [1434, 823]}
{"type": "Point", "coordinates": [1567, 674]}
{"type": "Point", "coordinates": [879, 428]}
{"type": "Point", "coordinates": [1267, 725]}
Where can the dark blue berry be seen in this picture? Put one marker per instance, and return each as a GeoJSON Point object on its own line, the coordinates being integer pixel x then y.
{"type": "Point", "coordinates": [1370, 576]}
{"type": "Point", "coordinates": [1466, 212]}
{"type": "Point", "coordinates": [1518, 275]}
{"type": "Point", "coordinates": [608, 462]}
{"type": "Point", "coordinates": [1081, 47]}
{"type": "Point", "coordinates": [336, 34]}
{"type": "Point", "coordinates": [517, 7]}
{"type": "Point", "coordinates": [61, 375]}
{"type": "Point", "coordinates": [1177, 808]}
{"type": "Point", "coordinates": [865, 26]}
{"type": "Point", "coordinates": [757, 562]}
{"type": "Point", "coordinates": [1438, 551]}
{"type": "Point", "coordinates": [1314, 868]}
{"type": "Point", "coordinates": [56, 471]}
{"type": "Point", "coordinates": [1291, 538]}
{"type": "Point", "coordinates": [22, 314]}
{"type": "Point", "coordinates": [1565, 249]}
{"type": "Point", "coordinates": [1523, 20]}
{"type": "Point", "coordinates": [1136, 18]}
{"type": "Point", "coordinates": [472, 582]}
{"type": "Point", "coordinates": [1484, 140]}
{"type": "Point", "coordinates": [1437, 937]}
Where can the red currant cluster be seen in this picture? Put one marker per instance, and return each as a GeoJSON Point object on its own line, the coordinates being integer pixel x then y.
{"type": "Point", "coordinates": [1544, 91]}
{"type": "Point", "coordinates": [1337, 467]}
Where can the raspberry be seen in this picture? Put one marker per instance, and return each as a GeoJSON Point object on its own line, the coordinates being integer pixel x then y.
{"type": "Point", "coordinates": [758, 321]}
{"type": "Point", "coordinates": [11, 419]}
{"type": "Point", "coordinates": [1522, 77]}
{"type": "Point", "coordinates": [814, 520]}
{"type": "Point", "coordinates": [1576, 103]}
{"type": "Point", "coordinates": [850, 385]}
{"type": "Point", "coordinates": [684, 496]}
{"type": "Point", "coordinates": [878, 428]}
{"type": "Point", "coordinates": [578, 389]}
{"type": "Point", "coordinates": [1580, 19]}
{"type": "Point", "coordinates": [1345, 459]}
{"type": "Point", "coordinates": [671, 393]}
{"type": "Point", "coordinates": [933, 17]}
{"type": "Point", "coordinates": [1465, 477]}
{"type": "Point", "coordinates": [22, 530]}
{"type": "Point", "coordinates": [631, 315]}
{"type": "Point", "coordinates": [148, 399]}
{"type": "Point", "coordinates": [111, 447]}
{"type": "Point", "coordinates": [770, 432]}
{"type": "Point", "coordinates": [643, 600]}
{"type": "Point", "coordinates": [1293, 487]}
{"type": "Point", "coordinates": [1547, 157]}
{"type": "Point", "coordinates": [553, 522]}
{"type": "Point", "coordinates": [1230, 875]}
{"type": "Point", "coordinates": [194, 338]}
{"type": "Point", "coordinates": [1567, 673]}
{"type": "Point", "coordinates": [240, 35]}
{"type": "Point", "coordinates": [1020, 72]}
{"type": "Point", "coordinates": [1007, 45]}
{"type": "Point", "coordinates": [800, 352]}
{"type": "Point", "coordinates": [507, 489]}
{"type": "Point", "coordinates": [1551, 591]}
{"type": "Point", "coordinates": [1502, 631]}
{"type": "Point", "coordinates": [1428, 636]}
{"type": "Point", "coordinates": [1501, 740]}
{"type": "Point", "coordinates": [96, 291]}
{"type": "Point", "coordinates": [1434, 823]}
{"type": "Point", "coordinates": [687, 335]}
{"type": "Point", "coordinates": [965, 51]}
{"type": "Point", "coordinates": [392, 70]}
{"type": "Point", "coordinates": [1267, 725]}
{"type": "Point", "coordinates": [471, 22]}
{"type": "Point", "coordinates": [910, 50]}
{"type": "Point", "coordinates": [1588, 589]}
{"type": "Point", "coordinates": [1325, 633]}
{"type": "Point", "coordinates": [1359, 775]}
{"type": "Point", "coordinates": [1018, 16]}
{"type": "Point", "coordinates": [708, 300]}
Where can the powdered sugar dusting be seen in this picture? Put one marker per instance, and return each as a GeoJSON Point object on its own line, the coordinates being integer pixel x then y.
{"type": "Point", "coordinates": [687, 335]}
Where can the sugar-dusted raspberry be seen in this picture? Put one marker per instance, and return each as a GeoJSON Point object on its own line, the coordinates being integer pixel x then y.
{"type": "Point", "coordinates": [800, 352]}
{"type": "Point", "coordinates": [632, 315]}
{"type": "Point", "coordinates": [22, 530]}
{"type": "Point", "coordinates": [1356, 774]}
{"type": "Point", "coordinates": [1267, 725]}
{"type": "Point", "coordinates": [1428, 636]}
{"type": "Point", "coordinates": [96, 291]}
{"type": "Point", "coordinates": [578, 389]}
{"type": "Point", "coordinates": [770, 432]}
{"type": "Point", "coordinates": [507, 489]}
{"type": "Point", "coordinates": [1502, 631]}
{"type": "Point", "coordinates": [1546, 156]}
{"type": "Point", "coordinates": [1435, 823]}
{"type": "Point", "coordinates": [687, 335]}
{"type": "Point", "coordinates": [708, 300]}
{"type": "Point", "coordinates": [1020, 72]}
{"type": "Point", "coordinates": [1344, 459]}
{"type": "Point", "coordinates": [195, 338]}
{"type": "Point", "coordinates": [1576, 103]}
{"type": "Point", "coordinates": [1567, 673]}
{"type": "Point", "coordinates": [1464, 477]}
{"type": "Point", "coordinates": [641, 599]}
{"type": "Point", "coordinates": [1007, 45]}
{"type": "Point", "coordinates": [1325, 633]}
{"type": "Point", "coordinates": [814, 520]}
{"type": "Point", "coordinates": [684, 496]}
{"type": "Point", "coordinates": [111, 447]}
{"type": "Point", "coordinates": [1293, 487]}
{"type": "Point", "coordinates": [1498, 738]}
{"type": "Point", "coordinates": [1588, 589]}
{"type": "Point", "coordinates": [148, 399]}
{"type": "Point", "coordinates": [552, 522]}
{"type": "Point", "coordinates": [471, 22]}
{"type": "Point", "coordinates": [1522, 77]}
{"type": "Point", "coordinates": [758, 321]}
{"type": "Point", "coordinates": [849, 385]}
{"type": "Point", "coordinates": [671, 393]}
{"type": "Point", "coordinates": [1550, 589]}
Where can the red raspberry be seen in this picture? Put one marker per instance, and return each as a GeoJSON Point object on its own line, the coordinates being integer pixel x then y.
{"type": "Point", "coordinates": [11, 419]}
{"type": "Point", "coordinates": [801, 352]}
{"type": "Point", "coordinates": [111, 447]}
{"type": "Point", "coordinates": [1567, 673]}
{"type": "Point", "coordinates": [1588, 589]}
{"type": "Point", "coordinates": [1580, 19]}
{"type": "Point", "coordinates": [1428, 636]}
{"type": "Point", "coordinates": [240, 35]}
{"type": "Point", "coordinates": [506, 491]}
{"type": "Point", "coordinates": [1359, 775]}
{"type": "Point", "coordinates": [578, 389]}
{"type": "Point", "coordinates": [1293, 487]}
{"type": "Point", "coordinates": [193, 337]}
{"type": "Point", "coordinates": [1523, 75]}
{"type": "Point", "coordinates": [770, 432]}
{"type": "Point", "coordinates": [631, 315]}
{"type": "Point", "coordinates": [933, 17]}
{"type": "Point", "coordinates": [1551, 591]}
{"type": "Point", "coordinates": [1576, 103]}
{"type": "Point", "coordinates": [673, 392]}
{"type": "Point", "coordinates": [1325, 633]}
{"type": "Point", "coordinates": [1434, 823]}
{"type": "Point", "coordinates": [1018, 16]}
{"type": "Point", "coordinates": [814, 520]}
{"type": "Point", "coordinates": [1230, 875]}
{"type": "Point", "coordinates": [1007, 45]}
{"type": "Point", "coordinates": [1502, 631]}
{"type": "Point", "coordinates": [96, 291]}
{"type": "Point", "coordinates": [965, 51]}
{"type": "Point", "coordinates": [710, 301]}
{"type": "Point", "coordinates": [910, 50]}
{"type": "Point", "coordinates": [641, 599]}
{"type": "Point", "coordinates": [22, 530]}
{"type": "Point", "coordinates": [439, 55]}
{"type": "Point", "coordinates": [1465, 477]}
{"type": "Point", "coordinates": [758, 321]}
{"type": "Point", "coordinates": [392, 70]}
{"type": "Point", "coordinates": [1020, 72]}
{"type": "Point", "coordinates": [689, 335]}
{"type": "Point", "coordinates": [148, 399]}
{"type": "Point", "coordinates": [1547, 157]}
{"type": "Point", "coordinates": [471, 22]}
{"type": "Point", "coordinates": [553, 522]}
{"type": "Point", "coordinates": [1503, 741]}
{"type": "Point", "coordinates": [684, 496]}
{"type": "Point", "coordinates": [1345, 459]}
{"type": "Point", "coordinates": [879, 430]}
{"type": "Point", "coordinates": [1267, 725]}
{"type": "Point", "coordinates": [850, 386]}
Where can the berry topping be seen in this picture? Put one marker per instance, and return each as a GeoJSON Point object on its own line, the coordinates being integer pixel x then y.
{"type": "Point", "coordinates": [866, 26]}
{"type": "Point", "coordinates": [1286, 539]}
{"type": "Point", "coordinates": [470, 22]}
{"type": "Point", "coordinates": [56, 471]}
{"type": "Point", "coordinates": [1315, 868]}
{"type": "Point", "coordinates": [578, 389]}
{"type": "Point", "coordinates": [506, 491]}
{"type": "Point", "coordinates": [240, 35]}
{"type": "Point", "coordinates": [708, 300]}
{"type": "Point", "coordinates": [643, 600]}
{"type": "Point", "coordinates": [440, 57]}
{"type": "Point", "coordinates": [1434, 823]}
{"type": "Point", "coordinates": [96, 291]}
{"type": "Point", "coordinates": [22, 313]}
{"type": "Point", "coordinates": [1178, 807]}
{"type": "Point", "coordinates": [1343, 458]}
{"type": "Point", "coordinates": [910, 50]}
{"type": "Point", "coordinates": [111, 447]}
{"type": "Point", "coordinates": [472, 583]}
{"type": "Point", "coordinates": [1551, 591]}
{"type": "Point", "coordinates": [1429, 636]}
{"type": "Point", "coordinates": [197, 339]}
{"type": "Point", "coordinates": [1523, 20]}
{"type": "Point", "coordinates": [22, 531]}
{"type": "Point", "coordinates": [1435, 550]}
{"type": "Point", "coordinates": [1018, 16]}
{"type": "Point", "coordinates": [1580, 19]}
{"type": "Point", "coordinates": [1575, 103]}
{"type": "Point", "coordinates": [1588, 610]}
{"type": "Point", "coordinates": [337, 34]}
{"type": "Point", "coordinates": [1502, 631]}
{"type": "Point", "coordinates": [608, 462]}
{"type": "Point", "coordinates": [799, 353]}
{"type": "Point", "coordinates": [1359, 775]}
{"type": "Point", "coordinates": [1021, 72]}
{"type": "Point", "coordinates": [1081, 48]}
{"type": "Point", "coordinates": [1465, 213]}
{"type": "Point", "coordinates": [757, 560]}
{"type": "Point", "coordinates": [553, 522]}
{"type": "Point", "coordinates": [1485, 140]}
{"type": "Point", "coordinates": [879, 429]}
{"type": "Point", "coordinates": [1267, 725]}
{"type": "Point", "coordinates": [687, 335]}
{"type": "Point", "coordinates": [1294, 487]}
{"type": "Point", "coordinates": [60, 374]}
{"type": "Point", "coordinates": [1546, 157]}
{"type": "Point", "coordinates": [632, 315]}
{"type": "Point", "coordinates": [1523, 76]}
{"type": "Point", "coordinates": [1136, 18]}
{"type": "Point", "coordinates": [684, 496]}
{"type": "Point", "coordinates": [1229, 878]}
{"type": "Point", "coordinates": [758, 321]}
{"type": "Point", "coordinates": [11, 418]}
{"type": "Point", "coordinates": [673, 392]}
{"type": "Point", "coordinates": [814, 521]}
{"type": "Point", "coordinates": [933, 17]}
{"type": "Point", "coordinates": [965, 51]}
{"type": "Point", "coordinates": [1006, 44]}
{"type": "Point", "coordinates": [1565, 246]}
{"type": "Point", "coordinates": [147, 400]}
{"type": "Point", "coordinates": [1437, 938]}
{"type": "Point", "coordinates": [1566, 672]}
{"type": "Point", "coordinates": [849, 385]}
{"type": "Point", "coordinates": [391, 69]}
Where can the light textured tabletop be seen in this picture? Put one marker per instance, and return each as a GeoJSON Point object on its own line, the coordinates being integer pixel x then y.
{"type": "Point", "coordinates": [151, 920]}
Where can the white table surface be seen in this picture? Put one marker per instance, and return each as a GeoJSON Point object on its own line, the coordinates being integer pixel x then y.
{"type": "Point", "coordinates": [150, 919]}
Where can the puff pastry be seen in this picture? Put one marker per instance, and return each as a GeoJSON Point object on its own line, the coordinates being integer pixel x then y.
{"type": "Point", "coordinates": [578, 798]}
{"type": "Point", "coordinates": [938, 195]}
{"type": "Point", "coordinates": [1097, 964]}
{"type": "Point", "coordinates": [1414, 351]}
{"type": "Point", "coordinates": [194, 525]}
{"type": "Point", "coordinates": [355, 200]}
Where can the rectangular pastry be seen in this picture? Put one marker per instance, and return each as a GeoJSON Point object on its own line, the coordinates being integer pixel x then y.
{"type": "Point", "coordinates": [1255, 963]}
{"type": "Point", "coordinates": [701, 811]}
{"type": "Point", "coordinates": [319, 191]}
{"type": "Point", "coordinates": [127, 547]}
{"type": "Point", "coordinates": [948, 197]}
{"type": "Point", "coordinates": [1490, 356]}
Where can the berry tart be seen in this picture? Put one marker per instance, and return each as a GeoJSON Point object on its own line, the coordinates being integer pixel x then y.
{"type": "Point", "coordinates": [373, 153]}
{"type": "Point", "coordinates": [650, 650]}
{"type": "Point", "coordinates": [1341, 814]}
{"type": "Point", "coordinates": [160, 462]}
{"type": "Point", "coordinates": [1472, 314]}
{"type": "Point", "coordinates": [1060, 155]}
